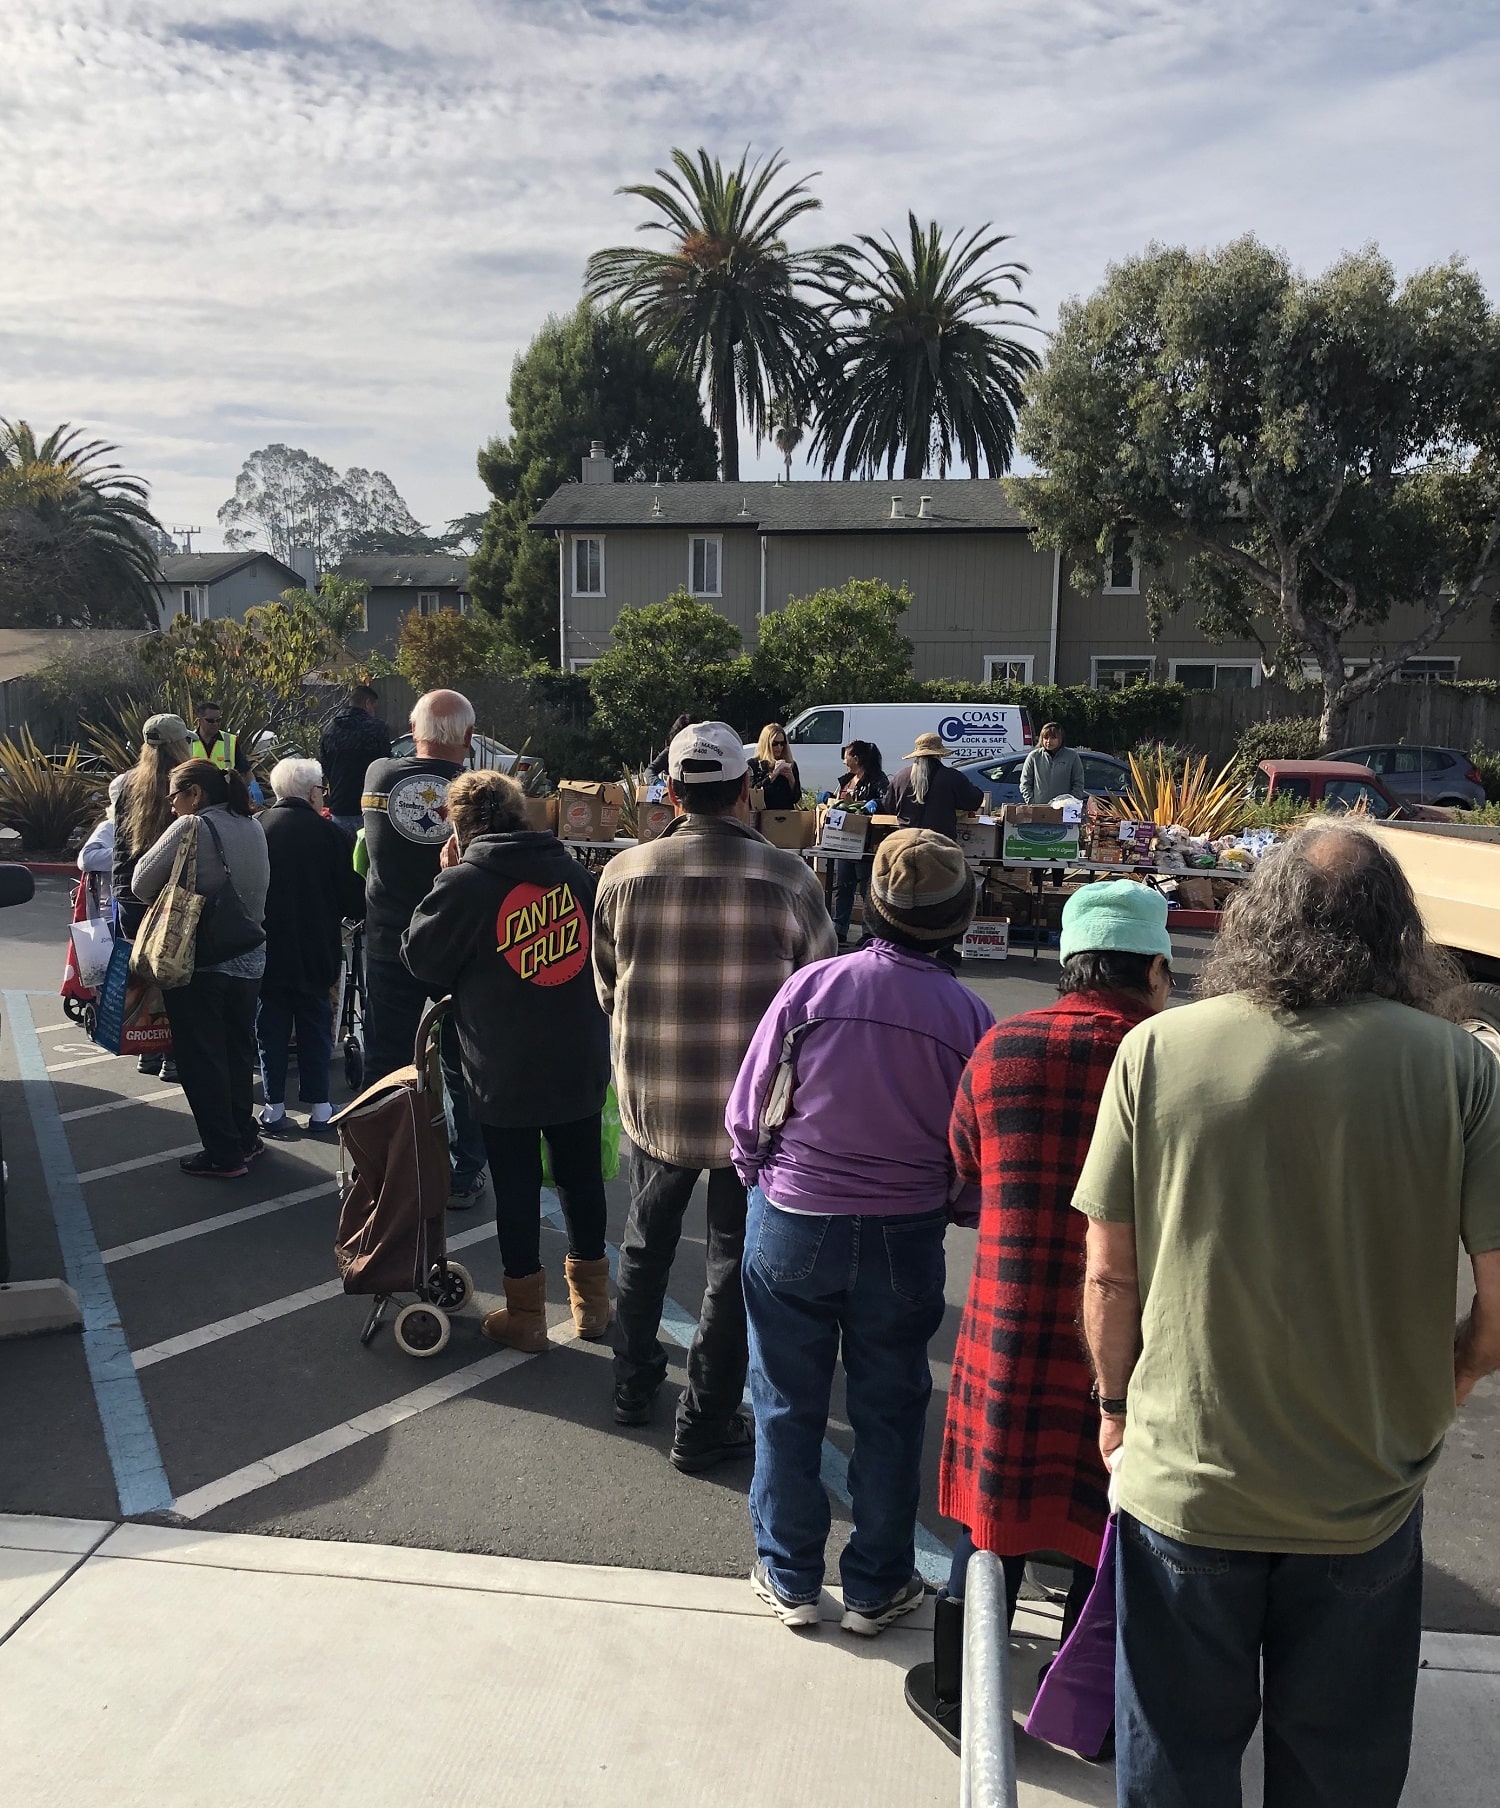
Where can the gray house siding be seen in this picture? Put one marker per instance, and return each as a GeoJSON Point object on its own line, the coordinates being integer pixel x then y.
{"type": "Point", "coordinates": [645, 565]}
{"type": "Point", "coordinates": [230, 596]}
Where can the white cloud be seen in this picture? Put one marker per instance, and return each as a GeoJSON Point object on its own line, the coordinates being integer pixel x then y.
{"type": "Point", "coordinates": [336, 222]}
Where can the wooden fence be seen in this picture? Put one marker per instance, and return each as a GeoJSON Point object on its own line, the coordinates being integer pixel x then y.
{"type": "Point", "coordinates": [1432, 714]}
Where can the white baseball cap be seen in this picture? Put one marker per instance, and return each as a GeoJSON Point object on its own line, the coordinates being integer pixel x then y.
{"type": "Point", "coordinates": [706, 753]}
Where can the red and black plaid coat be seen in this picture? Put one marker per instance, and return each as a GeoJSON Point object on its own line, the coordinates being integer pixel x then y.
{"type": "Point", "coordinates": [1021, 1466]}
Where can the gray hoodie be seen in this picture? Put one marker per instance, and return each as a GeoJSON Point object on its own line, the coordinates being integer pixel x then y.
{"type": "Point", "coordinates": [245, 849]}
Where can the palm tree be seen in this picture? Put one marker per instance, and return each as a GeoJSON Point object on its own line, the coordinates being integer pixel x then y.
{"type": "Point", "coordinates": [76, 536]}
{"type": "Point", "coordinates": [922, 361]}
{"type": "Point", "coordinates": [724, 296]}
{"type": "Point", "coordinates": [789, 423]}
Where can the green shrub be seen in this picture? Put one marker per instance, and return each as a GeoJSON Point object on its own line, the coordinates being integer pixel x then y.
{"type": "Point", "coordinates": [1487, 765]}
{"type": "Point", "coordinates": [47, 801]}
{"type": "Point", "coordinates": [1487, 815]}
{"type": "Point", "coordinates": [1281, 738]}
{"type": "Point", "coordinates": [1107, 721]}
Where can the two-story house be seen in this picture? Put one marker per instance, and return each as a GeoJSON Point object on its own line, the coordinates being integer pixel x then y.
{"type": "Point", "coordinates": [986, 604]}
{"type": "Point", "coordinates": [209, 586]}
{"type": "Point", "coordinates": [430, 583]}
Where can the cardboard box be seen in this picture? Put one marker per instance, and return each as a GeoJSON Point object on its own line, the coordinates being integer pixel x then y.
{"type": "Point", "coordinates": [880, 827]}
{"type": "Point", "coordinates": [541, 813]}
{"type": "Point", "coordinates": [987, 938]}
{"type": "Point", "coordinates": [1046, 844]}
{"type": "Point", "coordinates": [788, 828]}
{"type": "Point", "coordinates": [1030, 813]}
{"type": "Point", "coordinates": [979, 837]}
{"type": "Point", "coordinates": [842, 832]}
{"type": "Point", "coordinates": [1196, 892]}
{"type": "Point", "coordinates": [651, 818]}
{"type": "Point", "coordinates": [588, 811]}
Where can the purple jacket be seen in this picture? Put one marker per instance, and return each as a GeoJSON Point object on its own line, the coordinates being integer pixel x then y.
{"type": "Point", "coordinates": [875, 1080]}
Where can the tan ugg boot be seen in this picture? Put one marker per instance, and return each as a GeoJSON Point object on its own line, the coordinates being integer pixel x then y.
{"type": "Point", "coordinates": [521, 1323]}
{"type": "Point", "coordinates": [588, 1295]}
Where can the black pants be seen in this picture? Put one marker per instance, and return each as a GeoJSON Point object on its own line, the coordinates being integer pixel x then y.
{"type": "Point", "coordinates": [394, 1003]}
{"type": "Point", "coordinates": [718, 1358]}
{"type": "Point", "coordinates": [515, 1158]}
{"type": "Point", "coordinates": [213, 1044]}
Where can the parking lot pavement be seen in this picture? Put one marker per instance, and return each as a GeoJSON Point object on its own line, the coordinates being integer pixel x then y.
{"type": "Point", "coordinates": [222, 1384]}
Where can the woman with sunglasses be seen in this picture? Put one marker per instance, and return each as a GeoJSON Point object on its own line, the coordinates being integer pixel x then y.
{"type": "Point", "coordinates": [213, 1015]}
{"type": "Point", "coordinates": [773, 771]}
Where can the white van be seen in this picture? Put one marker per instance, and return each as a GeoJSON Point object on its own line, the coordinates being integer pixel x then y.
{"type": "Point", "coordinates": [968, 731]}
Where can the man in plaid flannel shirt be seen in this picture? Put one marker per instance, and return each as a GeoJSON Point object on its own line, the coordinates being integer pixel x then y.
{"type": "Point", "coordinates": [694, 934]}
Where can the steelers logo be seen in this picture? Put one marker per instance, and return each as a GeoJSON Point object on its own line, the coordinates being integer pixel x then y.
{"type": "Point", "coordinates": [418, 807]}
{"type": "Point", "coordinates": [543, 934]}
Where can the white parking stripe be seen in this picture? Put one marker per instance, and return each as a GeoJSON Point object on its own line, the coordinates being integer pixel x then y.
{"type": "Point", "coordinates": [140, 1161]}
{"type": "Point", "coordinates": [273, 1309]}
{"type": "Point", "coordinates": [203, 1226]}
{"type": "Point", "coordinates": [82, 1061]}
{"type": "Point", "coordinates": [170, 1096]}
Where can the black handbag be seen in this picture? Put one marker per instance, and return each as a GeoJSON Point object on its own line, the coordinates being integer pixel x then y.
{"type": "Point", "coordinates": [225, 928]}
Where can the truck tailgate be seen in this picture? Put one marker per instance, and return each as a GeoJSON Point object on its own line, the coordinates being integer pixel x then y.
{"type": "Point", "coordinates": [1455, 872]}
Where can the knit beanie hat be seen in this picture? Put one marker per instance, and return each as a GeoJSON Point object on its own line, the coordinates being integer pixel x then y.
{"type": "Point", "coordinates": [1118, 916]}
{"type": "Point", "coordinates": [921, 886]}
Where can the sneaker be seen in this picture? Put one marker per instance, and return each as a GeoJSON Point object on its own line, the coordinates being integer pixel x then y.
{"type": "Point", "coordinates": [695, 1453]}
{"type": "Point", "coordinates": [633, 1403]}
{"type": "Point", "coordinates": [790, 1613]}
{"type": "Point", "coordinates": [199, 1167]}
{"type": "Point", "coordinates": [320, 1121]}
{"type": "Point", "coordinates": [254, 1152]}
{"type": "Point", "coordinates": [867, 1622]}
{"type": "Point", "coordinates": [149, 1064]}
{"type": "Point", "coordinates": [464, 1193]}
{"type": "Point", "coordinates": [168, 1072]}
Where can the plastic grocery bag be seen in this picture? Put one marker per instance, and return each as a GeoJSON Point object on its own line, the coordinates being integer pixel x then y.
{"type": "Point", "coordinates": [93, 945]}
{"type": "Point", "coordinates": [130, 1018]}
{"type": "Point", "coordinates": [609, 1142]}
{"type": "Point", "coordinates": [1075, 1705]}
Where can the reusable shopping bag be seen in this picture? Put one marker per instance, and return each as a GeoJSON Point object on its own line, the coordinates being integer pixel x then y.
{"type": "Point", "coordinates": [130, 1018]}
{"type": "Point", "coordinates": [163, 950]}
{"type": "Point", "coordinates": [609, 1141]}
{"type": "Point", "coordinates": [225, 927]}
{"type": "Point", "coordinates": [1075, 1706]}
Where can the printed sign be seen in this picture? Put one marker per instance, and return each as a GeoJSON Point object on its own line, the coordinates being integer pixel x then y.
{"type": "Point", "coordinates": [1040, 843]}
{"type": "Point", "coordinates": [987, 941]}
{"type": "Point", "coordinates": [975, 733]}
{"type": "Point", "coordinates": [543, 934]}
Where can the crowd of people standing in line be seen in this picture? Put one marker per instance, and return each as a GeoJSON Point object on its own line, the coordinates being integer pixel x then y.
{"type": "Point", "coordinates": [1267, 1346]}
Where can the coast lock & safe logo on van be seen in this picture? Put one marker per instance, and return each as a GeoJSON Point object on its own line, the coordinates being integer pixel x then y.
{"type": "Point", "coordinates": [979, 733]}
{"type": "Point", "coordinates": [543, 934]}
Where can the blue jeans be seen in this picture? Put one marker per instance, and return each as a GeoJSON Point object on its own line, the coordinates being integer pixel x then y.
{"type": "Point", "coordinates": [1338, 1639]}
{"type": "Point", "coordinates": [849, 876]}
{"type": "Point", "coordinates": [875, 1286]}
{"type": "Point", "coordinates": [394, 1003]}
{"type": "Point", "coordinates": [312, 1014]}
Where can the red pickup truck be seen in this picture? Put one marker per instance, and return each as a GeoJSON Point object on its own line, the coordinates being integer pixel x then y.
{"type": "Point", "coordinates": [1341, 785]}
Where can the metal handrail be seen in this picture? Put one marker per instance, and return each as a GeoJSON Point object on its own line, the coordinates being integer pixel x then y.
{"type": "Point", "coordinates": [988, 1763]}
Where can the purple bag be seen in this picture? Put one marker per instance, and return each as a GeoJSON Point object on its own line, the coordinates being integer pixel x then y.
{"type": "Point", "coordinates": [1075, 1705]}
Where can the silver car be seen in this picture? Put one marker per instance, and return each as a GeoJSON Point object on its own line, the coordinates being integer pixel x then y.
{"type": "Point", "coordinates": [1421, 775]}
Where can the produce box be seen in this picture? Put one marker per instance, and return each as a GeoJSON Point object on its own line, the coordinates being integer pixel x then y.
{"type": "Point", "coordinates": [979, 837]}
{"type": "Point", "coordinates": [541, 813]}
{"type": "Point", "coordinates": [1050, 844]}
{"type": "Point", "coordinates": [651, 818]}
{"type": "Point", "coordinates": [1030, 813]}
{"type": "Point", "coordinates": [588, 811]}
{"type": "Point", "coordinates": [1194, 892]}
{"type": "Point", "coordinates": [880, 827]}
{"type": "Point", "coordinates": [788, 828]}
{"type": "Point", "coordinates": [842, 832]}
{"type": "Point", "coordinates": [987, 938]}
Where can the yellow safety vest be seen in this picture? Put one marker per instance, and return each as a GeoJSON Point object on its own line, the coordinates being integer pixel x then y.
{"type": "Point", "coordinates": [223, 753]}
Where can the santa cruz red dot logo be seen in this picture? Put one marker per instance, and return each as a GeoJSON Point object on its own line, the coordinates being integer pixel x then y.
{"type": "Point", "coordinates": [543, 934]}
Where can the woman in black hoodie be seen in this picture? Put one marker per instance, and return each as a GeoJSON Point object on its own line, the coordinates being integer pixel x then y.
{"type": "Point", "coordinates": [507, 929]}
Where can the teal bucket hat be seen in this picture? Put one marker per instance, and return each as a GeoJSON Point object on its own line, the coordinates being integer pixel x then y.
{"type": "Point", "coordinates": [1115, 916]}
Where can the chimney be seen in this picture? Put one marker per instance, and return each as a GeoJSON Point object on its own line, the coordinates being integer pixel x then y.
{"type": "Point", "coordinates": [924, 509]}
{"type": "Point", "coordinates": [898, 509]}
{"type": "Point", "coordinates": [598, 467]}
{"type": "Point", "coordinates": [304, 562]}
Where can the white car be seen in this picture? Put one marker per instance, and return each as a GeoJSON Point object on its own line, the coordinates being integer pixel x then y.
{"type": "Point", "coordinates": [968, 731]}
{"type": "Point", "coordinates": [485, 755]}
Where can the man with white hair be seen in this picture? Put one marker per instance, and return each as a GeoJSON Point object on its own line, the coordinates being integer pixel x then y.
{"type": "Point", "coordinates": [405, 806]}
{"type": "Point", "coordinates": [313, 887]}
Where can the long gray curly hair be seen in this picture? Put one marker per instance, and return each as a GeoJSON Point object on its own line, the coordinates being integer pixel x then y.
{"type": "Point", "coordinates": [1325, 918]}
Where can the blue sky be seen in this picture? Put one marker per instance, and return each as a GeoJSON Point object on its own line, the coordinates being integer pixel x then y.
{"type": "Point", "coordinates": [335, 222]}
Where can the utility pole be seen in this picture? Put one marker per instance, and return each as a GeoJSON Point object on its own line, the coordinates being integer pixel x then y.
{"type": "Point", "coordinates": [185, 536]}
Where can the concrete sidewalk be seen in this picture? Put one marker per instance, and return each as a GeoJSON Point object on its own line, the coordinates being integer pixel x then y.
{"type": "Point", "coordinates": [148, 1665]}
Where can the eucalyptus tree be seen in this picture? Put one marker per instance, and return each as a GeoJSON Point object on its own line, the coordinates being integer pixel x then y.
{"type": "Point", "coordinates": [924, 361]}
{"type": "Point", "coordinates": [725, 295]}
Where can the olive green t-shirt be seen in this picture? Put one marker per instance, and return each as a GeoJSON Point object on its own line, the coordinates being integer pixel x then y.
{"type": "Point", "coordinates": [1299, 1184]}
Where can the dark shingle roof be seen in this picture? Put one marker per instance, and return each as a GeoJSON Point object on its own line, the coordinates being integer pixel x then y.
{"type": "Point", "coordinates": [209, 567]}
{"type": "Point", "coordinates": [408, 570]}
{"type": "Point", "coordinates": [959, 505]}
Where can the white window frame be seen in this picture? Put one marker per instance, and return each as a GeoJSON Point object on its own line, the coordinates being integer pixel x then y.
{"type": "Point", "coordinates": [1238, 665]}
{"type": "Point", "coordinates": [1098, 659]}
{"type": "Point", "coordinates": [1312, 673]}
{"type": "Point", "coordinates": [1133, 588]}
{"type": "Point", "coordinates": [463, 602]}
{"type": "Point", "coordinates": [1026, 661]}
{"type": "Point", "coordinates": [194, 603]}
{"type": "Point", "coordinates": [577, 540]}
{"type": "Point", "coordinates": [582, 665]}
{"type": "Point", "coordinates": [429, 602]}
{"type": "Point", "coordinates": [717, 541]}
{"type": "Point", "coordinates": [1448, 659]}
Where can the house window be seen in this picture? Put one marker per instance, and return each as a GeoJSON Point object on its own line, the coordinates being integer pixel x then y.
{"type": "Point", "coordinates": [428, 602]}
{"type": "Point", "coordinates": [1430, 671]}
{"type": "Point", "coordinates": [704, 552]}
{"type": "Point", "coordinates": [1122, 568]}
{"type": "Point", "coordinates": [588, 566]}
{"type": "Point", "coordinates": [195, 603]}
{"type": "Point", "coordinates": [1007, 668]}
{"type": "Point", "coordinates": [581, 665]}
{"type": "Point", "coordinates": [1216, 674]}
{"type": "Point", "coordinates": [463, 602]}
{"type": "Point", "coordinates": [1117, 670]}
